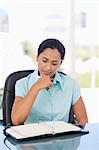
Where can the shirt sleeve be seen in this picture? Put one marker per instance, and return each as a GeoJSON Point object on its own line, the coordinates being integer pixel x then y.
{"type": "Point", "coordinates": [76, 92]}
{"type": "Point", "coordinates": [21, 87]}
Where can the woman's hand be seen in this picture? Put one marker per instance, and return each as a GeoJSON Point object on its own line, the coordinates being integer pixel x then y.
{"type": "Point", "coordinates": [44, 82]}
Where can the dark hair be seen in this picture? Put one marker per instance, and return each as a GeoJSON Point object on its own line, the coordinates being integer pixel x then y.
{"type": "Point", "coordinates": [53, 44]}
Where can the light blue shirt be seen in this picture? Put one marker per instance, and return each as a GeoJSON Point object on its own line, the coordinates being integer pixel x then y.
{"type": "Point", "coordinates": [51, 104]}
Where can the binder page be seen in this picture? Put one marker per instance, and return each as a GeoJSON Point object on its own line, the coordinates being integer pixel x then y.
{"type": "Point", "coordinates": [60, 126]}
{"type": "Point", "coordinates": [29, 130]}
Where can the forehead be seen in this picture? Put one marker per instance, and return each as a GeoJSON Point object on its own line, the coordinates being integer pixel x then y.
{"type": "Point", "coordinates": [51, 54]}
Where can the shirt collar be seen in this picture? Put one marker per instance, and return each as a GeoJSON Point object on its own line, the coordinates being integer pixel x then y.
{"type": "Point", "coordinates": [34, 77]}
{"type": "Point", "coordinates": [35, 73]}
{"type": "Point", "coordinates": [58, 79]}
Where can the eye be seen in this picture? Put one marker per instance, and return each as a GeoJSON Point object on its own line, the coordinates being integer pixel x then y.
{"type": "Point", "coordinates": [54, 64]}
{"type": "Point", "coordinates": [44, 60]}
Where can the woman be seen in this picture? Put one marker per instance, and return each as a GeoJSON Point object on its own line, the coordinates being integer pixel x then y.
{"type": "Point", "coordinates": [46, 94]}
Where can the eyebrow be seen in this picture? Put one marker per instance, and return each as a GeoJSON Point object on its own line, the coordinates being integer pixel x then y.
{"type": "Point", "coordinates": [52, 60]}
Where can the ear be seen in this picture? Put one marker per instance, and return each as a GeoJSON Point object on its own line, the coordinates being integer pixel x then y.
{"type": "Point", "coordinates": [61, 62]}
{"type": "Point", "coordinates": [58, 67]}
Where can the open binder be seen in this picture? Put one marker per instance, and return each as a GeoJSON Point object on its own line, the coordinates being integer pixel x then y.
{"type": "Point", "coordinates": [42, 129]}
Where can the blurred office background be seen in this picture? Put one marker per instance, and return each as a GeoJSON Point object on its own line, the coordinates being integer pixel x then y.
{"type": "Point", "coordinates": [25, 23]}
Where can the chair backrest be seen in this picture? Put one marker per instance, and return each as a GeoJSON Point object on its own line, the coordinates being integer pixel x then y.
{"type": "Point", "coordinates": [9, 95]}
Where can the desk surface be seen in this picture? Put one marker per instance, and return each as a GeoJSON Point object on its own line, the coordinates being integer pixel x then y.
{"type": "Point", "coordinates": [85, 142]}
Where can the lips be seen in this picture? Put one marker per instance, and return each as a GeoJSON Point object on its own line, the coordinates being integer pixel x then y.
{"type": "Point", "coordinates": [46, 73]}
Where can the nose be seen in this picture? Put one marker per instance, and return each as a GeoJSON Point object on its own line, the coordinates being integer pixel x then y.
{"type": "Point", "coordinates": [48, 66]}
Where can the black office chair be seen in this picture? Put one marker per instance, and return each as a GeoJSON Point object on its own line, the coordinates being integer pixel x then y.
{"type": "Point", "coordinates": [9, 96]}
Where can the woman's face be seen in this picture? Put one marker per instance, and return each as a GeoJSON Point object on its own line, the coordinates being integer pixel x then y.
{"type": "Point", "coordinates": [49, 61]}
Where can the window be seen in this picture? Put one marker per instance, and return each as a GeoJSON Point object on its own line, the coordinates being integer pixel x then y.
{"type": "Point", "coordinates": [30, 23]}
